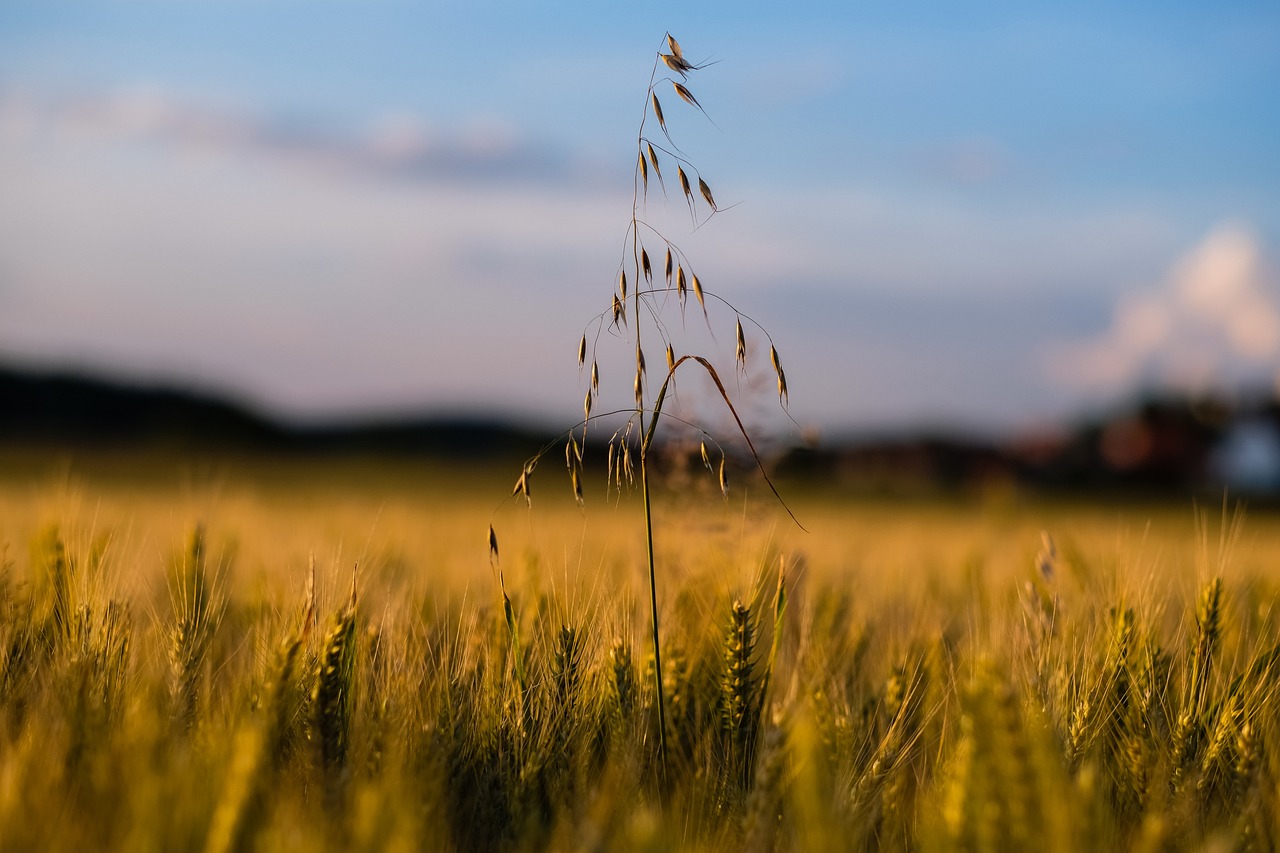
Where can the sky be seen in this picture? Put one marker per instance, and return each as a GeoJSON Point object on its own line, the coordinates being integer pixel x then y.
{"type": "Point", "coordinates": [985, 218]}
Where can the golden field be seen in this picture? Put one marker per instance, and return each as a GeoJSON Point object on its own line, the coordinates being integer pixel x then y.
{"type": "Point", "coordinates": [899, 674]}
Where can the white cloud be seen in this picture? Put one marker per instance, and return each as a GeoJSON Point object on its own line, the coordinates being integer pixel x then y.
{"type": "Point", "coordinates": [1214, 320]}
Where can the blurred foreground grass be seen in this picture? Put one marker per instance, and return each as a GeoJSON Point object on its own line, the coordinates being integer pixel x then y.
{"type": "Point", "coordinates": [934, 675]}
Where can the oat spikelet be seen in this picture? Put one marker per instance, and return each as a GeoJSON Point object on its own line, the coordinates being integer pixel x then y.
{"type": "Point", "coordinates": [657, 111]}
{"type": "Point", "coordinates": [706, 193]}
{"type": "Point", "coordinates": [595, 378]}
{"type": "Point", "coordinates": [644, 171]}
{"type": "Point", "coordinates": [783, 398]}
{"type": "Point", "coordinates": [669, 267]}
{"type": "Point", "coordinates": [646, 266]}
{"type": "Point", "coordinates": [682, 286]}
{"type": "Point", "coordinates": [627, 468]}
{"type": "Point", "coordinates": [671, 359]}
{"type": "Point", "coordinates": [724, 478]}
{"type": "Point", "coordinates": [677, 64]}
{"type": "Point", "coordinates": [653, 161]}
{"type": "Point", "coordinates": [582, 352]}
{"type": "Point", "coordinates": [522, 487]}
{"type": "Point", "coordinates": [640, 362]}
{"type": "Point", "coordinates": [706, 457]}
{"type": "Point", "coordinates": [686, 95]}
{"type": "Point", "coordinates": [684, 183]}
{"type": "Point", "coordinates": [586, 403]}
{"type": "Point", "coordinates": [675, 47]}
{"type": "Point", "coordinates": [493, 546]}
{"type": "Point", "coordinates": [577, 485]}
{"type": "Point", "coordinates": [741, 354]}
{"type": "Point", "coordinates": [622, 284]}
{"type": "Point", "coordinates": [697, 291]}
{"type": "Point", "coordinates": [619, 315]}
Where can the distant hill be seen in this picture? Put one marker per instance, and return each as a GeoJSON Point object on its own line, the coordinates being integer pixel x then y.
{"type": "Point", "coordinates": [60, 408]}
{"type": "Point", "coordinates": [1162, 445]}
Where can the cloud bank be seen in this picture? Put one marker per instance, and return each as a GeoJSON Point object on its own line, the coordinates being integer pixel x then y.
{"type": "Point", "coordinates": [1213, 321]}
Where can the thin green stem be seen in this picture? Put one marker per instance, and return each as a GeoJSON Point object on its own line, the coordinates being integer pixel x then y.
{"type": "Point", "coordinates": [653, 604]}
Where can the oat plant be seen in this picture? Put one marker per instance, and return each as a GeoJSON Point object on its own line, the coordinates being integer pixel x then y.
{"type": "Point", "coordinates": [656, 279]}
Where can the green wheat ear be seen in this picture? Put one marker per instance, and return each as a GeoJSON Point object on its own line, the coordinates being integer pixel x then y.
{"type": "Point", "coordinates": [335, 679]}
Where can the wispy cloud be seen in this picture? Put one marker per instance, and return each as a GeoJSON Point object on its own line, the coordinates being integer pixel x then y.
{"type": "Point", "coordinates": [398, 145]}
{"type": "Point", "coordinates": [1214, 320]}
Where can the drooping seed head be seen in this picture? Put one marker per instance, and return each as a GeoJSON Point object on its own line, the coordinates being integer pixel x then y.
{"type": "Point", "coordinates": [619, 315]}
{"type": "Point", "coordinates": [676, 64]}
{"type": "Point", "coordinates": [671, 359]}
{"type": "Point", "coordinates": [577, 485]}
{"type": "Point", "coordinates": [684, 183]}
{"type": "Point", "coordinates": [493, 546]}
{"type": "Point", "coordinates": [669, 267]}
{"type": "Point", "coordinates": [644, 265]}
{"type": "Point", "coordinates": [582, 351]}
{"type": "Point", "coordinates": [706, 193]}
{"type": "Point", "coordinates": [595, 377]}
{"type": "Point", "coordinates": [675, 46]}
{"type": "Point", "coordinates": [622, 284]}
{"type": "Point", "coordinates": [653, 160]}
{"type": "Point", "coordinates": [657, 111]}
{"type": "Point", "coordinates": [686, 95]}
{"type": "Point", "coordinates": [522, 487]}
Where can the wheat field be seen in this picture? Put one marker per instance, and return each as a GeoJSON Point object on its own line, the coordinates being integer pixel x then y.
{"type": "Point", "coordinates": [185, 664]}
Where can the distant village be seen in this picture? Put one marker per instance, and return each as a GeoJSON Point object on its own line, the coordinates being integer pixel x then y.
{"type": "Point", "coordinates": [1160, 445]}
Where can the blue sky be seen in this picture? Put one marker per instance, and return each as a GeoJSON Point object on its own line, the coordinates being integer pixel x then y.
{"type": "Point", "coordinates": [987, 217]}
